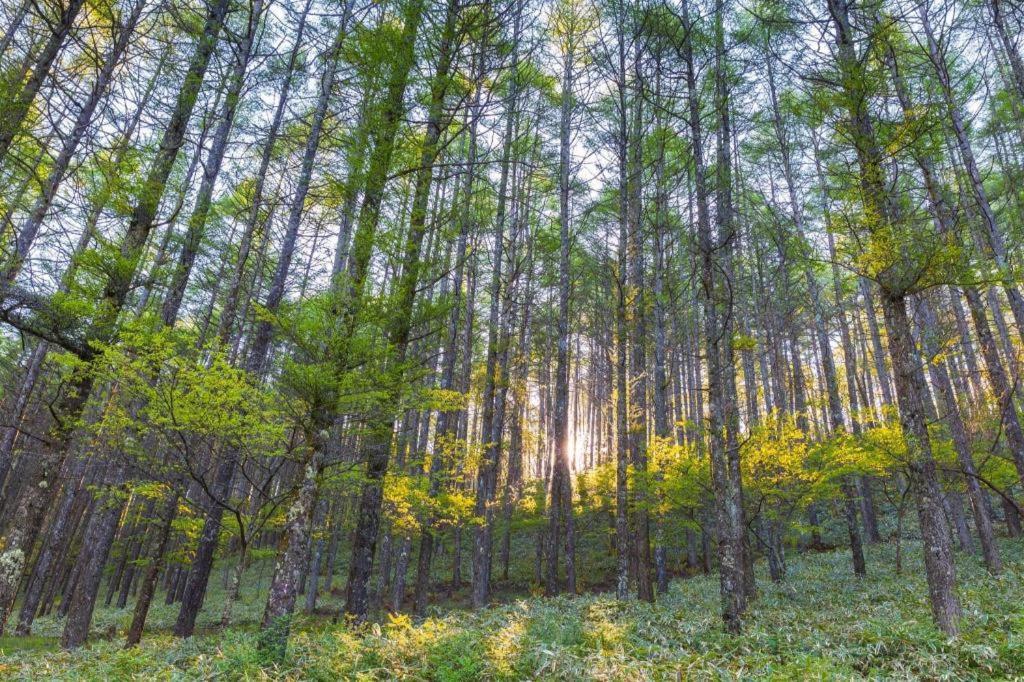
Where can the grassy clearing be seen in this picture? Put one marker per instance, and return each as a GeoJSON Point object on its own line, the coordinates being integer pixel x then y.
{"type": "Point", "coordinates": [822, 623]}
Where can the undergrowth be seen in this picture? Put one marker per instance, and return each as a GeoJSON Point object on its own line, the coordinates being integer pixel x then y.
{"type": "Point", "coordinates": [821, 623]}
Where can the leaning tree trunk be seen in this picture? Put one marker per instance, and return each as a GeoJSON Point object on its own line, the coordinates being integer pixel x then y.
{"type": "Point", "coordinates": [16, 110]}
{"type": "Point", "coordinates": [99, 537]}
{"type": "Point", "coordinates": [284, 586]}
{"type": "Point", "coordinates": [911, 388]}
{"type": "Point", "coordinates": [910, 391]}
{"type": "Point", "coordinates": [227, 315]}
{"type": "Point", "coordinates": [194, 589]}
{"type": "Point", "coordinates": [1012, 53]}
{"type": "Point", "coordinates": [262, 338]}
{"type": "Point", "coordinates": [76, 631]}
{"type": "Point", "coordinates": [380, 430]}
{"type": "Point", "coordinates": [148, 587]}
{"type": "Point", "coordinates": [937, 370]}
{"type": "Point", "coordinates": [16, 412]}
{"type": "Point", "coordinates": [26, 516]}
{"type": "Point", "coordinates": [211, 169]}
{"type": "Point", "coordinates": [992, 234]}
{"type": "Point", "coordinates": [27, 234]}
{"type": "Point", "coordinates": [34, 496]}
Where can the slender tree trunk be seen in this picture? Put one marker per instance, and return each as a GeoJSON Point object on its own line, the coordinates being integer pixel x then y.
{"type": "Point", "coordinates": [622, 539]}
{"type": "Point", "coordinates": [148, 587]}
{"type": "Point", "coordinates": [561, 509]}
{"type": "Point", "coordinates": [196, 228]}
{"type": "Point", "coordinates": [911, 388]}
{"type": "Point", "coordinates": [28, 512]}
{"type": "Point", "coordinates": [99, 537]}
{"type": "Point", "coordinates": [284, 587]}
{"type": "Point", "coordinates": [949, 407]}
{"type": "Point", "coordinates": [446, 420]}
{"type": "Point", "coordinates": [259, 349]}
{"type": "Point", "coordinates": [315, 562]}
{"type": "Point", "coordinates": [227, 316]}
{"type": "Point", "coordinates": [992, 234]}
{"type": "Point", "coordinates": [30, 228]}
{"type": "Point", "coordinates": [398, 326]}
{"type": "Point", "coordinates": [728, 509]}
{"type": "Point", "coordinates": [487, 475]}
{"type": "Point", "coordinates": [18, 108]}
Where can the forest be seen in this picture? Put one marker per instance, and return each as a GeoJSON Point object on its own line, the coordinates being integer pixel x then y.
{"type": "Point", "coordinates": [512, 339]}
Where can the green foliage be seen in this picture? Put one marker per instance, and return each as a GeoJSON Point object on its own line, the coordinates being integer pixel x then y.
{"type": "Point", "coordinates": [821, 624]}
{"type": "Point", "coordinates": [408, 504]}
{"type": "Point", "coordinates": [681, 478]}
{"type": "Point", "coordinates": [165, 399]}
{"type": "Point", "coordinates": [775, 464]}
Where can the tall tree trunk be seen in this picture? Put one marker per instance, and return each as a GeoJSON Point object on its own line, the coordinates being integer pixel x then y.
{"type": "Point", "coordinates": [622, 539]}
{"type": "Point", "coordinates": [993, 235]}
{"type": "Point", "coordinates": [18, 108]}
{"type": "Point", "coordinates": [828, 366]}
{"type": "Point", "coordinates": [637, 413]}
{"type": "Point", "coordinates": [949, 407]}
{"type": "Point", "coordinates": [911, 388]}
{"type": "Point", "coordinates": [211, 169]}
{"type": "Point", "coordinates": [98, 539]}
{"type": "Point", "coordinates": [194, 585]}
{"type": "Point", "coordinates": [379, 431]}
{"type": "Point", "coordinates": [16, 413]}
{"type": "Point", "coordinates": [29, 510]}
{"type": "Point", "coordinates": [447, 420]}
{"type": "Point", "coordinates": [30, 228]}
{"type": "Point", "coordinates": [561, 510]}
{"type": "Point", "coordinates": [998, 379]}
{"type": "Point", "coordinates": [227, 316]}
{"type": "Point", "coordinates": [260, 344]}
{"type": "Point", "coordinates": [728, 509]}
{"type": "Point", "coordinates": [487, 474]}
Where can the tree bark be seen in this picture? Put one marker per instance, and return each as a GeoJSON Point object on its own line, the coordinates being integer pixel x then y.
{"type": "Point", "coordinates": [911, 388]}
{"type": "Point", "coordinates": [17, 110]}
{"type": "Point", "coordinates": [284, 586]}
{"type": "Point", "coordinates": [148, 587]}
{"type": "Point", "coordinates": [99, 537]}
{"type": "Point", "coordinates": [379, 431]}
{"type": "Point", "coordinates": [487, 474]}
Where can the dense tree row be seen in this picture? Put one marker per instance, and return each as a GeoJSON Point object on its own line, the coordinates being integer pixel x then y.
{"type": "Point", "coordinates": [388, 289]}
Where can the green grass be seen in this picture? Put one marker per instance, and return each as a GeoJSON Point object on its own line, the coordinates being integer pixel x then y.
{"type": "Point", "coordinates": [820, 624]}
{"type": "Point", "coordinates": [33, 643]}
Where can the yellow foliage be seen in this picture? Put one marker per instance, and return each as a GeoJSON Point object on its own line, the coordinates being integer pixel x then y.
{"type": "Point", "coordinates": [774, 458]}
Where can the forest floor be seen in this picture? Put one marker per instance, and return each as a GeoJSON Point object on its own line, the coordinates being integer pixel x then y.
{"type": "Point", "coordinates": [821, 623]}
